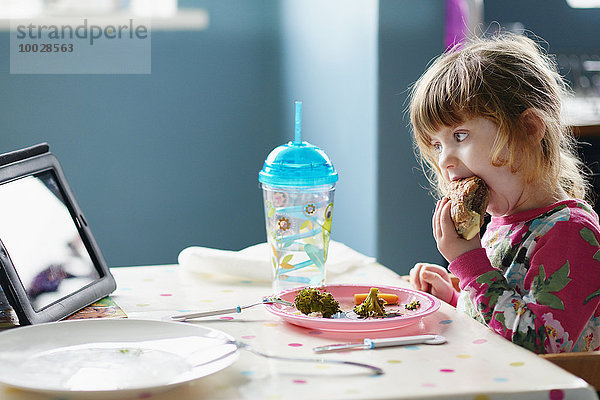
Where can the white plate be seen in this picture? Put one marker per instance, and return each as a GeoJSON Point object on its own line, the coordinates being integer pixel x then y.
{"type": "Point", "coordinates": [111, 357]}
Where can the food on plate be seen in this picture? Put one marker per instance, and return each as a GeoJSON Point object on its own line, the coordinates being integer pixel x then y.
{"type": "Point", "coordinates": [311, 300]}
{"type": "Point", "coordinates": [469, 198]}
{"type": "Point", "coordinates": [388, 298]}
{"type": "Point", "coordinates": [413, 305]}
{"type": "Point", "coordinates": [372, 306]}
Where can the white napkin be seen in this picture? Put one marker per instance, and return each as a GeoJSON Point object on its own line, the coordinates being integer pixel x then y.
{"type": "Point", "coordinates": [254, 262]}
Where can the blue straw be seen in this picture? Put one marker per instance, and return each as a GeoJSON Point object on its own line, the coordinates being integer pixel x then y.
{"type": "Point", "coordinates": [298, 123]}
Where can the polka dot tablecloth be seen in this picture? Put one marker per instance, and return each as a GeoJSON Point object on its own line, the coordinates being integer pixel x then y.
{"type": "Point", "coordinates": [474, 363]}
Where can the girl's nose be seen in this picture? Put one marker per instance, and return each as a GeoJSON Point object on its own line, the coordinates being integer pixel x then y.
{"type": "Point", "coordinates": [447, 159]}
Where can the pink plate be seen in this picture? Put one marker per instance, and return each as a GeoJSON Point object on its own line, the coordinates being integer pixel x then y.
{"type": "Point", "coordinates": [344, 294]}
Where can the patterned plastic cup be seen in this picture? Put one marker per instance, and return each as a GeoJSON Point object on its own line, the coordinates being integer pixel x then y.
{"type": "Point", "coordinates": [298, 182]}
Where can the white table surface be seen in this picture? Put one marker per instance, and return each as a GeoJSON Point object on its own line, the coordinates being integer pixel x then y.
{"type": "Point", "coordinates": [475, 363]}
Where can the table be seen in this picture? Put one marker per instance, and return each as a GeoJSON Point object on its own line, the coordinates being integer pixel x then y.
{"type": "Point", "coordinates": [475, 363]}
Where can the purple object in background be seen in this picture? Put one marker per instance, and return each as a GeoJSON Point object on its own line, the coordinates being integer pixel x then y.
{"type": "Point", "coordinates": [457, 20]}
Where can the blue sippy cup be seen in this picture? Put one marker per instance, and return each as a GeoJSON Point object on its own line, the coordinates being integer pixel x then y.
{"type": "Point", "coordinates": [298, 182]}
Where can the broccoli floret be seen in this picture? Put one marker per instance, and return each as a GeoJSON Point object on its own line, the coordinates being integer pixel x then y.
{"type": "Point", "coordinates": [372, 306]}
{"type": "Point", "coordinates": [306, 298]}
{"type": "Point", "coordinates": [413, 305]}
{"type": "Point", "coordinates": [309, 300]}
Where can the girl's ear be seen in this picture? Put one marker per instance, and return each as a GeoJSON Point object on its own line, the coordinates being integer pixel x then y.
{"type": "Point", "coordinates": [533, 124]}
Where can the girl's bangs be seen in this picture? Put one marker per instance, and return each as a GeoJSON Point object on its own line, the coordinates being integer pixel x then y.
{"type": "Point", "coordinates": [441, 104]}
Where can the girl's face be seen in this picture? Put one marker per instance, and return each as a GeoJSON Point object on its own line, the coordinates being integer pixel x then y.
{"type": "Point", "coordinates": [464, 150]}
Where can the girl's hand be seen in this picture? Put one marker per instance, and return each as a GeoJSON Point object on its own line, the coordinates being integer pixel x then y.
{"type": "Point", "coordinates": [432, 278]}
{"type": "Point", "coordinates": [449, 243]}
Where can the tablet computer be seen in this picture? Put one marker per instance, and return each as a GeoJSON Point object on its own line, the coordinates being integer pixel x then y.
{"type": "Point", "coordinates": [50, 264]}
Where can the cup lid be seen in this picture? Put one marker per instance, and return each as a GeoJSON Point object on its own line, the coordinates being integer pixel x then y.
{"type": "Point", "coordinates": [297, 164]}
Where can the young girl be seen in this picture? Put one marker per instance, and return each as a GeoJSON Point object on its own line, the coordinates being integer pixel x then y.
{"type": "Point", "coordinates": [492, 109]}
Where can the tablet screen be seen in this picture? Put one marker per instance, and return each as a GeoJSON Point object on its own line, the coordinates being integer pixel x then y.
{"type": "Point", "coordinates": [42, 240]}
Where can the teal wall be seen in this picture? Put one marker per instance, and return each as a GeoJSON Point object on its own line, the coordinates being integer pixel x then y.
{"type": "Point", "coordinates": [565, 29]}
{"type": "Point", "coordinates": [163, 161]}
{"type": "Point", "coordinates": [330, 62]}
{"type": "Point", "coordinates": [411, 33]}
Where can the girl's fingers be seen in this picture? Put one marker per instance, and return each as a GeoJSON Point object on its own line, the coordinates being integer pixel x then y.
{"type": "Point", "coordinates": [425, 285]}
{"type": "Point", "coordinates": [437, 218]}
{"type": "Point", "coordinates": [433, 225]}
{"type": "Point", "coordinates": [415, 276]}
{"type": "Point", "coordinates": [432, 278]}
{"type": "Point", "coordinates": [416, 272]}
{"type": "Point", "coordinates": [440, 271]}
{"type": "Point", "coordinates": [446, 222]}
{"type": "Point", "coordinates": [435, 222]}
{"type": "Point", "coordinates": [440, 288]}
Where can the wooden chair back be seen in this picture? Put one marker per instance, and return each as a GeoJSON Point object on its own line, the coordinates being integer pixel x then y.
{"type": "Point", "coordinates": [585, 365]}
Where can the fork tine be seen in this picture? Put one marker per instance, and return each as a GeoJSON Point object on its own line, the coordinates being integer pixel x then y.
{"type": "Point", "coordinates": [277, 300]}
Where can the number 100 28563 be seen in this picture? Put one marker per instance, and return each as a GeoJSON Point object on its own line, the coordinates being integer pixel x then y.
{"type": "Point", "coordinates": [46, 48]}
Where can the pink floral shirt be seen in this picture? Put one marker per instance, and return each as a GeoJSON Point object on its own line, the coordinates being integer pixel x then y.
{"type": "Point", "coordinates": [536, 281]}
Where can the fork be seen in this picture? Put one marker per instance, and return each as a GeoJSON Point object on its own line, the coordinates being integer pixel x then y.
{"type": "Point", "coordinates": [236, 309]}
{"type": "Point", "coordinates": [245, 346]}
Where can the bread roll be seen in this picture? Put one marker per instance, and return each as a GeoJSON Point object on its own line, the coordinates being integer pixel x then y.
{"type": "Point", "coordinates": [469, 200]}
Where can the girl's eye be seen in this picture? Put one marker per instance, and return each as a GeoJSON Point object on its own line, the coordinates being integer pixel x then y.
{"type": "Point", "coordinates": [460, 136]}
{"type": "Point", "coordinates": [437, 147]}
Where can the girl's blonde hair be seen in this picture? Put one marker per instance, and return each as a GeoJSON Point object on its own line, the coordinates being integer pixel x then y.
{"type": "Point", "coordinates": [499, 78]}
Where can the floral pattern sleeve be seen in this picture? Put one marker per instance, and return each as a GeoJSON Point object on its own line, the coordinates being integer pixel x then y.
{"type": "Point", "coordinates": [537, 283]}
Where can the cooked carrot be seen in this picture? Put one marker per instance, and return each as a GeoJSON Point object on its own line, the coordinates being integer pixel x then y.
{"type": "Point", "coordinates": [389, 298]}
